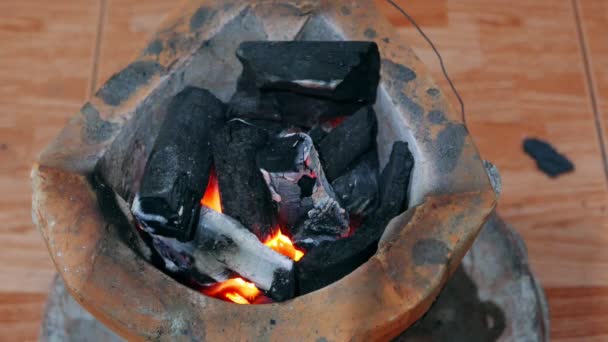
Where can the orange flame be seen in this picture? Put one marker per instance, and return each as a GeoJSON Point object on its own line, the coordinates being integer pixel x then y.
{"type": "Point", "coordinates": [282, 244]}
{"type": "Point", "coordinates": [238, 290]}
{"type": "Point", "coordinates": [211, 198]}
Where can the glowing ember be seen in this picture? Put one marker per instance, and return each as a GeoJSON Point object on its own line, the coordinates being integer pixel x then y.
{"type": "Point", "coordinates": [235, 290]}
{"type": "Point", "coordinates": [211, 198]}
{"type": "Point", "coordinates": [283, 245]}
{"type": "Point", "coordinates": [238, 290]}
{"type": "Point", "coordinates": [335, 122]}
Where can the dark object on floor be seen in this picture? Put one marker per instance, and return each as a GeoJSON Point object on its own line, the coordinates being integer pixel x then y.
{"type": "Point", "coordinates": [332, 260]}
{"type": "Point", "coordinates": [339, 71]}
{"type": "Point", "coordinates": [347, 142]}
{"type": "Point", "coordinates": [178, 168]}
{"type": "Point", "coordinates": [243, 191]}
{"type": "Point", "coordinates": [548, 160]}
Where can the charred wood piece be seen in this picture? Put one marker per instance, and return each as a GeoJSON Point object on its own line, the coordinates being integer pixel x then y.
{"type": "Point", "coordinates": [222, 247]}
{"type": "Point", "coordinates": [395, 180]}
{"type": "Point", "coordinates": [318, 132]}
{"type": "Point", "coordinates": [306, 111]}
{"type": "Point", "coordinates": [347, 142]}
{"type": "Point", "coordinates": [253, 105]}
{"type": "Point", "coordinates": [340, 71]}
{"type": "Point", "coordinates": [332, 260]}
{"type": "Point", "coordinates": [243, 191]}
{"type": "Point", "coordinates": [295, 178]}
{"type": "Point", "coordinates": [286, 107]}
{"type": "Point", "coordinates": [357, 190]}
{"type": "Point", "coordinates": [547, 158]}
{"type": "Point", "coordinates": [176, 173]}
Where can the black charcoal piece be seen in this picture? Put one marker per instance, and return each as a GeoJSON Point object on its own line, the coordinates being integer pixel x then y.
{"type": "Point", "coordinates": [178, 168]}
{"type": "Point", "coordinates": [332, 260]}
{"type": "Point", "coordinates": [347, 142]}
{"type": "Point", "coordinates": [243, 191]}
{"type": "Point", "coordinates": [357, 190]}
{"type": "Point", "coordinates": [340, 71]}
{"type": "Point", "coordinates": [395, 180]}
{"type": "Point", "coordinates": [319, 132]}
{"type": "Point", "coordinates": [286, 107]}
{"type": "Point", "coordinates": [297, 183]}
{"type": "Point", "coordinates": [306, 111]}
{"type": "Point", "coordinates": [548, 160]}
{"type": "Point", "coordinates": [222, 247]}
{"type": "Point", "coordinates": [253, 105]}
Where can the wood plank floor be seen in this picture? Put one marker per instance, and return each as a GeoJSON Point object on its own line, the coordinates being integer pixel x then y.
{"type": "Point", "coordinates": [46, 59]}
{"type": "Point", "coordinates": [524, 68]}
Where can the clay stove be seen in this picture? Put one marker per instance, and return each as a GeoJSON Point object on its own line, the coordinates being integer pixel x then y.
{"type": "Point", "coordinates": [93, 170]}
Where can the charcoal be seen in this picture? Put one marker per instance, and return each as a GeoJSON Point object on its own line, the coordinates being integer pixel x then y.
{"type": "Point", "coordinates": [295, 178]}
{"type": "Point", "coordinates": [357, 190]}
{"type": "Point", "coordinates": [222, 247]}
{"type": "Point", "coordinates": [318, 132]}
{"type": "Point", "coordinates": [286, 107]}
{"type": "Point", "coordinates": [339, 71]}
{"type": "Point", "coordinates": [548, 160]}
{"type": "Point", "coordinates": [176, 173]}
{"type": "Point", "coordinates": [395, 180]}
{"type": "Point", "coordinates": [332, 260]}
{"type": "Point", "coordinates": [326, 220]}
{"type": "Point", "coordinates": [253, 105]}
{"type": "Point", "coordinates": [347, 142]}
{"type": "Point", "coordinates": [243, 192]}
{"type": "Point", "coordinates": [306, 111]}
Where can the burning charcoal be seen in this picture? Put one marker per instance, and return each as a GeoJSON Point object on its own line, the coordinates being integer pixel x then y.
{"type": "Point", "coordinates": [340, 71]}
{"type": "Point", "coordinates": [332, 260]}
{"type": "Point", "coordinates": [347, 142]}
{"type": "Point", "coordinates": [221, 247]}
{"type": "Point", "coordinates": [243, 191]}
{"type": "Point", "coordinates": [357, 189]}
{"type": "Point", "coordinates": [548, 160]}
{"type": "Point", "coordinates": [177, 170]}
{"type": "Point", "coordinates": [306, 202]}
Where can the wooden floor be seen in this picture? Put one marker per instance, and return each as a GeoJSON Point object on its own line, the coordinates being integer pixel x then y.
{"type": "Point", "coordinates": [524, 68]}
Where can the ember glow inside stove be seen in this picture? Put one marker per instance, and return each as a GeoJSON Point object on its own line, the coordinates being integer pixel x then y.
{"type": "Point", "coordinates": [278, 192]}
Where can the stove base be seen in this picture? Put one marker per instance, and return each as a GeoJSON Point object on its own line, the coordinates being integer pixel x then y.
{"type": "Point", "coordinates": [492, 295]}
